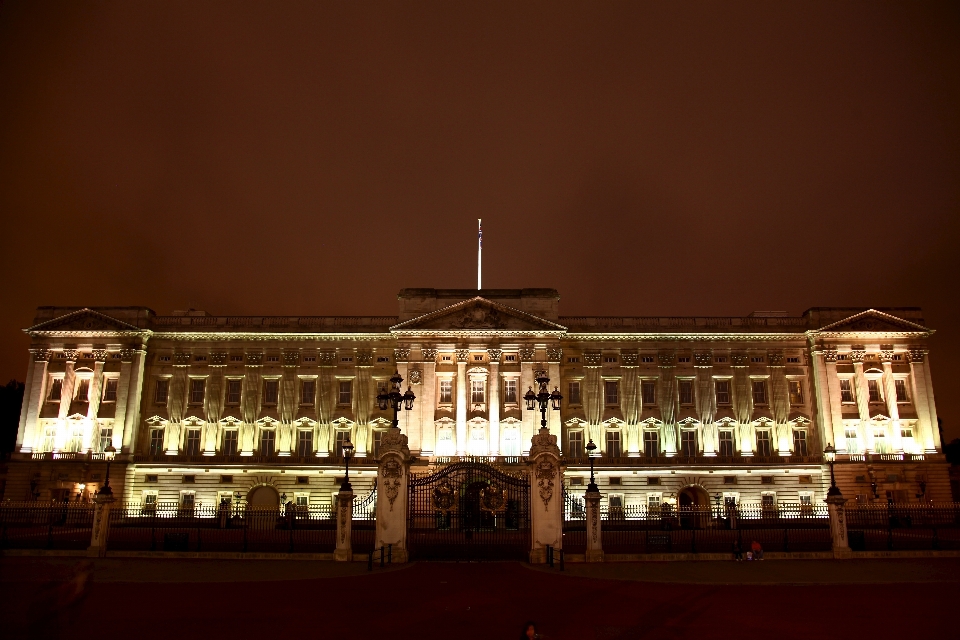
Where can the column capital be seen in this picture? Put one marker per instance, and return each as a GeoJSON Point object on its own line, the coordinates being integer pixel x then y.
{"type": "Point", "coordinates": [829, 354]}
{"type": "Point", "coordinates": [554, 354]}
{"type": "Point", "coordinates": [401, 355]}
{"type": "Point", "coordinates": [182, 359]}
{"type": "Point", "coordinates": [291, 357]}
{"type": "Point", "coordinates": [629, 358]}
{"type": "Point", "coordinates": [702, 359]}
{"type": "Point", "coordinates": [71, 355]}
{"type": "Point", "coordinates": [886, 356]}
{"type": "Point", "coordinates": [858, 355]}
{"type": "Point", "coordinates": [429, 355]}
{"type": "Point", "coordinates": [41, 355]}
{"type": "Point", "coordinates": [254, 359]}
{"type": "Point", "coordinates": [527, 354]}
{"type": "Point", "coordinates": [591, 358]}
{"type": "Point", "coordinates": [218, 359]}
{"type": "Point", "coordinates": [494, 355]}
{"type": "Point", "coordinates": [775, 358]}
{"type": "Point", "coordinates": [916, 355]}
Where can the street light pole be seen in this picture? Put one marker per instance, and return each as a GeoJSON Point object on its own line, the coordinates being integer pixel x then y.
{"type": "Point", "coordinates": [105, 490]}
{"type": "Point", "coordinates": [395, 399]}
{"type": "Point", "coordinates": [347, 454]}
{"type": "Point", "coordinates": [830, 455]}
{"type": "Point", "coordinates": [590, 449]}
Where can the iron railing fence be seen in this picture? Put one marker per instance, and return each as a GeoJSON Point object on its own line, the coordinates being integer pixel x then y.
{"type": "Point", "coordinates": [904, 526]}
{"type": "Point", "coordinates": [618, 539]}
{"type": "Point", "coordinates": [45, 525]}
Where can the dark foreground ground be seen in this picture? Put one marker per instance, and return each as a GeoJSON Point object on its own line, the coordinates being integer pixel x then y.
{"type": "Point", "coordinates": [179, 599]}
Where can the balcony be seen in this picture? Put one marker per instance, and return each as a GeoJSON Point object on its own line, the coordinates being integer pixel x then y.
{"type": "Point", "coordinates": [696, 461]}
{"type": "Point", "coordinates": [61, 456]}
{"type": "Point", "coordinates": [891, 457]}
{"type": "Point", "coordinates": [163, 458]}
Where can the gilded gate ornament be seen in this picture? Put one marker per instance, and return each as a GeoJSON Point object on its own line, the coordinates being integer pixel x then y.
{"type": "Point", "coordinates": [391, 473]}
{"type": "Point", "coordinates": [546, 471]}
{"type": "Point", "coordinates": [493, 499]}
{"type": "Point", "coordinates": [443, 497]}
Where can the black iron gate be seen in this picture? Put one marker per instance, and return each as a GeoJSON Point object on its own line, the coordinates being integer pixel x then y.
{"type": "Point", "coordinates": [469, 511]}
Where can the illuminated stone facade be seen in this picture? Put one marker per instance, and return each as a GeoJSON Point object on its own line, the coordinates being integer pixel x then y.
{"type": "Point", "coordinates": [688, 409]}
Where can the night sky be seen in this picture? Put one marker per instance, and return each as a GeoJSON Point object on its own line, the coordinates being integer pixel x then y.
{"type": "Point", "coordinates": [303, 158]}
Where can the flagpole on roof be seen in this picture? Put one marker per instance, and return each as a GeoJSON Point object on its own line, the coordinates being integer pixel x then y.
{"type": "Point", "coordinates": [479, 251]}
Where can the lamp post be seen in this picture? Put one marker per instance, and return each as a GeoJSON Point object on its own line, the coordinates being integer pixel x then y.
{"type": "Point", "coordinates": [544, 398]}
{"type": "Point", "coordinates": [395, 399]}
{"type": "Point", "coordinates": [105, 490]}
{"type": "Point", "coordinates": [830, 455]}
{"type": "Point", "coordinates": [593, 482]}
{"type": "Point", "coordinates": [81, 487]}
{"type": "Point", "coordinates": [347, 454]}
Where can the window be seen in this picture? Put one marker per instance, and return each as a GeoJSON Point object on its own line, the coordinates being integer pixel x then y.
{"type": "Point", "coordinates": [610, 392]}
{"type": "Point", "coordinates": [83, 390]}
{"type": "Point", "coordinates": [110, 390]}
{"type": "Point", "coordinates": [446, 358]}
{"type": "Point", "coordinates": [56, 388]}
{"type": "Point", "coordinates": [308, 391]}
{"type": "Point", "coordinates": [49, 438]}
{"type": "Point", "coordinates": [573, 359]}
{"type": "Point", "coordinates": [901, 387]}
{"type": "Point", "coordinates": [768, 500]}
{"type": "Point", "coordinates": [188, 479]}
{"type": "Point", "coordinates": [651, 444]}
{"type": "Point", "coordinates": [163, 358]}
{"type": "Point", "coordinates": [342, 437]}
{"type": "Point", "coordinates": [199, 358]}
{"type": "Point", "coordinates": [576, 482]}
{"type": "Point", "coordinates": [510, 390]}
{"type": "Point", "coordinates": [149, 500]}
{"type": "Point", "coordinates": [478, 358]}
{"type": "Point", "coordinates": [757, 359]}
{"type": "Point", "coordinates": [613, 444]}
{"type": "Point", "coordinates": [906, 433]}
{"type": "Point", "coordinates": [268, 441]}
{"type": "Point", "coordinates": [873, 390]}
{"type": "Point", "coordinates": [187, 503]}
{"type": "Point", "coordinates": [610, 359]}
{"type": "Point", "coordinates": [615, 505]}
{"type": "Point", "coordinates": [196, 390]}
{"type": "Point", "coordinates": [880, 444]}
{"type": "Point", "coordinates": [380, 359]}
{"type": "Point", "coordinates": [853, 443]}
{"type": "Point", "coordinates": [653, 502]}
{"type": "Point", "coordinates": [573, 392]}
{"type": "Point", "coordinates": [793, 360]}
{"type": "Point", "coordinates": [723, 391]}
{"type": "Point", "coordinates": [156, 442]}
{"type": "Point", "coordinates": [346, 359]}
{"type": "Point", "coordinates": [759, 391]}
{"type": "Point", "coordinates": [302, 500]}
{"type": "Point", "coordinates": [846, 393]}
{"type": "Point", "coordinates": [307, 358]}
{"type": "Point", "coordinates": [726, 443]}
{"type": "Point", "coordinates": [236, 358]}
{"type": "Point", "coordinates": [729, 479]}
{"type": "Point", "coordinates": [105, 439]}
{"type": "Point", "coordinates": [796, 392]}
{"type": "Point", "coordinates": [682, 359]}
{"type": "Point", "coordinates": [653, 480]}
{"type": "Point", "coordinates": [304, 443]}
{"type": "Point", "coordinates": [720, 359]}
{"type": "Point", "coordinates": [575, 450]}
{"type": "Point", "coordinates": [510, 357]}
{"type": "Point", "coordinates": [345, 392]}
{"type": "Point", "coordinates": [766, 479]}
{"type": "Point", "coordinates": [230, 442]}
{"type": "Point", "coordinates": [688, 443]}
{"type": "Point", "coordinates": [377, 439]}
{"type": "Point", "coordinates": [648, 391]}
{"type": "Point", "coordinates": [75, 441]}
{"type": "Point", "coordinates": [477, 391]}
{"type": "Point", "coordinates": [160, 391]}
{"type": "Point", "coordinates": [191, 442]}
{"type": "Point", "coordinates": [799, 443]}
{"type": "Point", "coordinates": [151, 478]}
{"type": "Point", "coordinates": [273, 358]}
{"type": "Point", "coordinates": [647, 359]}
{"type": "Point", "coordinates": [511, 442]}
{"type": "Point", "coordinates": [686, 392]}
{"type": "Point", "coordinates": [763, 443]}
{"type": "Point", "coordinates": [809, 479]}
{"type": "Point", "coordinates": [271, 391]}
{"type": "Point", "coordinates": [382, 387]}
{"type": "Point", "coordinates": [303, 479]}
{"type": "Point", "coordinates": [233, 391]}
{"type": "Point", "coordinates": [446, 391]}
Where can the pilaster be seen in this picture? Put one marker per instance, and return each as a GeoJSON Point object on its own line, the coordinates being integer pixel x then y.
{"type": "Point", "coordinates": [344, 549]}
{"type": "Point", "coordinates": [392, 493]}
{"type": "Point", "coordinates": [427, 402]}
{"type": "Point", "coordinates": [494, 400]}
{"type": "Point", "coordinates": [890, 395]}
{"type": "Point", "coordinates": [462, 355]}
{"type": "Point", "coordinates": [33, 397]}
{"type": "Point", "coordinates": [546, 510]}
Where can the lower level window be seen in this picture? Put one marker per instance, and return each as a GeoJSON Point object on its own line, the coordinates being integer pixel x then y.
{"type": "Point", "coordinates": [187, 502]}
{"type": "Point", "coordinates": [763, 443]}
{"type": "Point", "coordinates": [880, 444]}
{"type": "Point", "coordinates": [613, 444]}
{"type": "Point", "coordinates": [49, 439]}
{"type": "Point", "coordinates": [268, 443]}
{"type": "Point", "coordinates": [511, 442]}
{"type": "Point", "coordinates": [726, 443]}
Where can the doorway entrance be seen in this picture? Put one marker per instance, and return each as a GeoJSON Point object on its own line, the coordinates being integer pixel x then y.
{"type": "Point", "coordinates": [693, 506]}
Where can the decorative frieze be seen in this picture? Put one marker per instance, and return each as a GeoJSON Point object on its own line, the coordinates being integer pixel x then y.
{"type": "Point", "coordinates": [629, 358]}
{"type": "Point", "coordinates": [739, 359]}
{"type": "Point", "coordinates": [462, 355]}
{"type": "Point", "coordinates": [429, 355]}
{"type": "Point", "coordinates": [702, 359]}
{"type": "Point", "coordinates": [775, 359]}
{"type": "Point", "coordinates": [327, 358]}
{"type": "Point", "coordinates": [364, 358]}
{"type": "Point", "coordinates": [494, 354]}
{"type": "Point", "coordinates": [181, 359]}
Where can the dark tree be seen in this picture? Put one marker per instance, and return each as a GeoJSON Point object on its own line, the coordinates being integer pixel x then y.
{"type": "Point", "coordinates": [11, 397]}
{"type": "Point", "coordinates": [952, 449]}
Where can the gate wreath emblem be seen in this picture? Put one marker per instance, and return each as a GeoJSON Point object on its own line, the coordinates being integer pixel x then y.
{"type": "Point", "coordinates": [546, 471]}
{"type": "Point", "coordinates": [443, 496]}
{"type": "Point", "coordinates": [492, 499]}
{"type": "Point", "coordinates": [391, 479]}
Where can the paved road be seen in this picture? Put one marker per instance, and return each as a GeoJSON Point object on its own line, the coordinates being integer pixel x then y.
{"type": "Point", "coordinates": [146, 599]}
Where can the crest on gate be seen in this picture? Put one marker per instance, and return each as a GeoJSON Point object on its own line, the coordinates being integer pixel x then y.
{"type": "Point", "coordinates": [443, 496]}
{"type": "Point", "coordinates": [546, 471]}
{"type": "Point", "coordinates": [493, 499]}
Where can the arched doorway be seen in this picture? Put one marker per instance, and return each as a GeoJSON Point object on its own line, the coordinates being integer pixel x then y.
{"type": "Point", "coordinates": [263, 497]}
{"type": "Point", "coordinates": [693, 504]}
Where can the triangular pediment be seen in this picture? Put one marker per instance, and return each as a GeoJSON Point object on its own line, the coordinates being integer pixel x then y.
{"type": "Point", "coordinates": [84, 320]}
{"type": "Point", "coordinates": [873, 320]}
{"type": "Point", "coordinates": [477, 315]}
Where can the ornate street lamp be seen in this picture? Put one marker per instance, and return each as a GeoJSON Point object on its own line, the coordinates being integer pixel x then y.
{"type": "Point", "coordinates": [830, 455]}
{"type": "Point", "coordinates": [544, 398]}
{"type": "Point", "coordinates": [593, 482]}
{"type": "Point", "coordinates": [237, 497]}
{"type": "Point", "coordinates": [347, 454]}
{"type": "Point", "coordinates": [394, 399]}
{"type": "Point", "coordinates": [105, 490]}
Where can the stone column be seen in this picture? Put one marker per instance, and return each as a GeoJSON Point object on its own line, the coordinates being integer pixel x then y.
{"type": "Point", "coordinates": [592, 397]}
{"type": "Point", "coordinates": [862, 391]}
{"type": "Point", "coordinates": [493, 383]}
{"type": "Point", "coordinates": [392, 493]}
{"type": "Point", "coordinates": [528, 419]}
{"type": "Point", "coordinates": [594, 534]}
{"type": "Point", "coordinates": [69, 379]}
{"type": "Point", "coordinates": [630, 401]}
{"type": "Point", "coordinates": [250, 402]}
{"type": "Point", "coordinates": [920, 388]}
{"type": "Point", "coordinates": [344, 550]}
{"type": "Point", "coordinates": [554, 422]}
{"type": "Point", "coordinates": [667, 400]}
{"type": "Point", "coordinates": [426, 403]}
{"type": "Point", "coordinates": [546, 508]}
{"type": "Point", "coordinates": [125, 438]}
{"type": "Point", "coordinates": [827, 389]}
{"type": "Point", "coordinates": [101, 525]}
{"type": "Point", "coordinates": [890, 395]}
{"type": "Point", "coordinates": [93, 400]}
{"type": "Point", "coordinates": [779, 400]}
{"type": "Point", "coordinates": [35, 391]}
{"type": "Point", "coordinates": [407, 425]}
{"type": "Point", "coordinates": [462, 355]}
{"type": "Point", "coordinates": [838, 525]}
{"type": "Point", "coordinates": [935, 444]}
{"type": "Point", "coordinates": [706, 402]}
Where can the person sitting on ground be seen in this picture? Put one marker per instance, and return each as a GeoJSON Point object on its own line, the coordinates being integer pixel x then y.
{"type": "Point", "coordinates": [749, 555]}
{"type": "Point", "coordinates": [757, 550]}
{"type": "Point", "coordinates": [529, 631]}
{"type": "Point", "coordinates": [737, 552]}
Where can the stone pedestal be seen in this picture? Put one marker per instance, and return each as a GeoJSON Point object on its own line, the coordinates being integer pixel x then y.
{"type": "Point", "coordinates": [101, 525]}
{"type": "Point", "coordinates": [838, 525]}
{"type": "Point", "coordinates": [546, 499]}
{"type": "Point", "coordinates": [393, 494]}
{"type": "Point", "coordinates": [594, 537]}
{"type": "Point", "coordinates": [344, 549]}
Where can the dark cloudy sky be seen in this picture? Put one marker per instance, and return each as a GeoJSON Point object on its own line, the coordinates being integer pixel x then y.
{"type": "Point", "coordinates": [642, 158]}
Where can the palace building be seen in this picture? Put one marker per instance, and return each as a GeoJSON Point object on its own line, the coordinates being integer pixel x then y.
{"type": "Point", "coordinates": [683, 410]}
